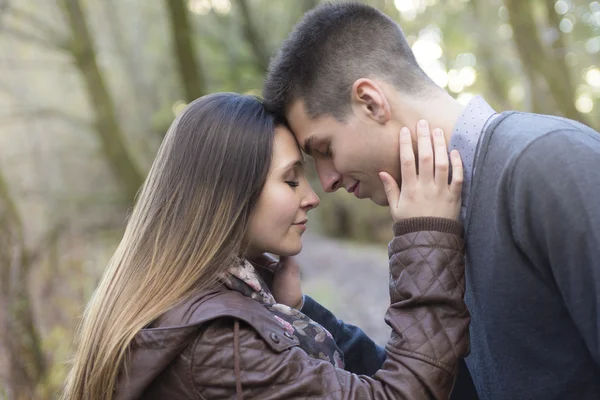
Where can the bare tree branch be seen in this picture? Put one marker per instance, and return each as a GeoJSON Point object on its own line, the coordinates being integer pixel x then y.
{"type": "Point", "coordinates": [107, 127]}
{"type": "Point", "coordinates": [32, 64]}
{"type": "Point", "coordinates": [44, 113]}
{"type": "Point", "coordinates": [39, 32]}
{"type": "Point", "coordinates": [33, 21]}
{"type": "Point", "coordinates": [535, 59]}
{"type": "Point", "coordinates": [3, 7]}
{"type": "Point", "coordinates": [50, 238]}
{"type": "Point", "coordinates": [31, 38]}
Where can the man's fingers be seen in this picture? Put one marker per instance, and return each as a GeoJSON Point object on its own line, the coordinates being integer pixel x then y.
{"type": "Point", "coordinates": [457, 174]}
{"type": "Point", "coordinates": [441, 159]}
{"type": "Point", "coordinates": [392, 191]}
{"type": "Point", "coordinates": [407, 159]}
{"type": "Point", "coordinates": [266, 261]}
{"type": "Point", "coordinates": [288, 265]}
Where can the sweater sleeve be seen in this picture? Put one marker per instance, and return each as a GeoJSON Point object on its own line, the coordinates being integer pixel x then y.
{"type": "Point", "coordinates": [555, 217]}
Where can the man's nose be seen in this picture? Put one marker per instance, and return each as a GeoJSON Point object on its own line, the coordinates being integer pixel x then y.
{"type": "Point", "coordinates": [331, 180]}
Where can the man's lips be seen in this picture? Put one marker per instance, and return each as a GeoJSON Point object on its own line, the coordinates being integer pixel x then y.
{"type": "Point", "coordinates": [352, 188]}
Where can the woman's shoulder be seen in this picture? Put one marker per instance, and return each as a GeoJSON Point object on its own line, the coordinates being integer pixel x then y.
{"type": "Point", "coordinates": [200, 307]}
{"type": "Point", "coordinates": [201, 328]}
{"type": "Point", "coordinates": [216, 310]}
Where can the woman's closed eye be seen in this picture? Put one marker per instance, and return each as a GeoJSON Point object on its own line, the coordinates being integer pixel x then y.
{"type": "Point", "coordinates": [293, 183]}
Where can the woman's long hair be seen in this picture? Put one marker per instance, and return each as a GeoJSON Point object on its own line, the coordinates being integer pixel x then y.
{"type": "Point", "coordinates": [189, 219]}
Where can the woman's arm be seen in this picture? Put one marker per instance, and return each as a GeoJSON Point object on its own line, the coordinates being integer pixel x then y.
{"type": "Point", "coordinates": [429, 324]}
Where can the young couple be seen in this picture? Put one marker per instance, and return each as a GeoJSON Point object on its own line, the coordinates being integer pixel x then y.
{"type": "Point", "coordinates": [191, 307]}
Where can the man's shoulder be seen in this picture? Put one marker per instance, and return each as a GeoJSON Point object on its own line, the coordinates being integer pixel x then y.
{"type": "Point", "coordinates": [514, 132]}
{"type": "Point", "coordinates": [524, 125]}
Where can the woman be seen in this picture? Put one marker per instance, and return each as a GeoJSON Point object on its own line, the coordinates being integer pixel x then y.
{"type": "Point", "coordinates": [181, 313]}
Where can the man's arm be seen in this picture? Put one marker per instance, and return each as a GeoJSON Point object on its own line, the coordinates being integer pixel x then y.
{"type": "Point", "coordinates": [361, 355]}
{"type": "Point", "coordinates": [555, 216]}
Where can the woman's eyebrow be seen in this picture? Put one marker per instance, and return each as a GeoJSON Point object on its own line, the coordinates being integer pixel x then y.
{"type": "Point", "coordinates": [293, 164]}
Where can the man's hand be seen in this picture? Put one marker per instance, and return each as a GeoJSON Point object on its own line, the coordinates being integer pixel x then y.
{"type": "Point", "coordinates": [427, 194]}
{"type": "Point", "coordinates": [285, 286]}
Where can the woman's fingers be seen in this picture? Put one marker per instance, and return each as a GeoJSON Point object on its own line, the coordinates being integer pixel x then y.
{"type": "Point", "coordinates": [441, 159]}
{"type": "Point", "coordinates": [428, 193]}
{"type": "Point", "coordinates": [425, 152]}
{"type": "Point", "coordinates": [392, 191]}
{"type": "Point", "coordinates": [457, 174]}
{"type": "Point", "coordinates": [408, 169]}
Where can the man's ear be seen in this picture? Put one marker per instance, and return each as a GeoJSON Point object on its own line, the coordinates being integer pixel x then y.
{"type": "Point", "coordinates": [369, 101]}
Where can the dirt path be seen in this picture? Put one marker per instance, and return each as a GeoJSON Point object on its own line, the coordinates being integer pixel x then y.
{"type": "Point", "coordinates": [349, 279]}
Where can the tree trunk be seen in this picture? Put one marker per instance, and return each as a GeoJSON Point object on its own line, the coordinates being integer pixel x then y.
{"type": "Point", "coordinates": [19, 338]}
{"type": "Point", "coordinates": [558, 51]}
{"type": "Point", "coordinates": [495, 74]}
{"type": "Point", "coordinates": [535, 59]}
{"type": "Point", "coordinates": [107, 126]}
{"type": "Point", "coordinates": [144, 96]}
{"type": "Point", "coordinates": [253, 37]}
{"type": "Point", "coordinates": [185, 53]}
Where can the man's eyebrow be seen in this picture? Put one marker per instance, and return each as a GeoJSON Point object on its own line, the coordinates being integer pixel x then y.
{"type": "Point", "coordinates": [308, 143]}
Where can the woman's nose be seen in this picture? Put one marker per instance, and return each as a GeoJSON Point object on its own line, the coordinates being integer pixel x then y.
{"type": "Point", "coordinates": [311, 200]}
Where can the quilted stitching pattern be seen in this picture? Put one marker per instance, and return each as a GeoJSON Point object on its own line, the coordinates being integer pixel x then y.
{"type": "Point", "coordinates": [426, 269]}
{"type": "Point", "coordinates": [427, 314]}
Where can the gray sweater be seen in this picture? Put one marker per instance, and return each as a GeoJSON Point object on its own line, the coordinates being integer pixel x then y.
{"type": "Point", "coordinates": [533, 260]}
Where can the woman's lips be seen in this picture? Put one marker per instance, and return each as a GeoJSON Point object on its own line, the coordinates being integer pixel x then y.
{"type": "Point", "coordinates": [301, 224]}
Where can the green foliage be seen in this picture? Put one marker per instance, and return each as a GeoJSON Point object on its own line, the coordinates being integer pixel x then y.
{"type": "Point", "coordinates": [81, 112]}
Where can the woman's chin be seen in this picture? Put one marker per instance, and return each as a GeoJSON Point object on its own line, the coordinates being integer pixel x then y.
{"type": "Point", "coordinates": [289, 251]}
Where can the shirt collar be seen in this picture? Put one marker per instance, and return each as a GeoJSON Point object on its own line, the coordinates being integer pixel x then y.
{"type": "Point", "coordinates": [466, 135]}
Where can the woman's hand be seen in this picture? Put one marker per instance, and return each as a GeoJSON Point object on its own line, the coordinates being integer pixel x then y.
{"type": "Point", "coordinates": [285, 285]}
{"type": "Point", "coordinates": [427, 194]}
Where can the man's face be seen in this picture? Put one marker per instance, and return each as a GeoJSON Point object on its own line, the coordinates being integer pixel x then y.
{"type": "Point", "coordinates": [348, 154]}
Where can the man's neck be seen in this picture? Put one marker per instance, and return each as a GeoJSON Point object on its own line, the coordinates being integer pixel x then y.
{"type": "Point", "coordinates": [442, 112]}
{"type": "Point", "coordinates": [439, 109]}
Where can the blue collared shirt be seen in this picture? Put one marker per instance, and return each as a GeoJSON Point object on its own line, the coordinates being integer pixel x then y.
{"type": "Point", "coordinates": [466, 134]}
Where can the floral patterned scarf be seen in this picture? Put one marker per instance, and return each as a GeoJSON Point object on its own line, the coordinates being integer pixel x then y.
{"type": "Point", "coordinates": [314, 339]}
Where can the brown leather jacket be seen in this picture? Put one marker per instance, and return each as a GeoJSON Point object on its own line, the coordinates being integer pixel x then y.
{"type": "Point", "coordinates": [221, 344]}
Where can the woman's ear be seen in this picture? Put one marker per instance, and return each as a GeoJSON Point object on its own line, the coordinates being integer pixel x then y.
{"type": "Point", "coordinates": [369, 101]}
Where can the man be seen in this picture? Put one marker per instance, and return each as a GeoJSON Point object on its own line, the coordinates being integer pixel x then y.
{"type": "Point", "coordinates": [347, 81]}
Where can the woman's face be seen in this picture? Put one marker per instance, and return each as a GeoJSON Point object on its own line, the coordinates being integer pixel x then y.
{"type": "Point", "coordinates": [279, 219]}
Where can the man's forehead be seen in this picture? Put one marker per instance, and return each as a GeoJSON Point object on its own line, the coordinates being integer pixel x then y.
{"type": "Point", "coordinates": [297, 118]}
{"type": "Point", "coordinates": [309, 132]}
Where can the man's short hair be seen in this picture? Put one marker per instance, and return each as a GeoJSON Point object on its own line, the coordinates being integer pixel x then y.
{"type": "Point", "coordinates": [329, 49]}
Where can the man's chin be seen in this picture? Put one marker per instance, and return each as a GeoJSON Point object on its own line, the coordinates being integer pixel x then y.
{"type": "Point", "coordinates": [380, 200]}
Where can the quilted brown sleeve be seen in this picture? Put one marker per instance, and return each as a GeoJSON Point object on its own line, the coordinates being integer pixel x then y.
{"type": "Point", "coordinates": [427, 314]}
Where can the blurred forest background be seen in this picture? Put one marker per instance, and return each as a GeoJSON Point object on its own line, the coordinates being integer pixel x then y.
{"type": "Point", "coordinates": [89, 87]}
